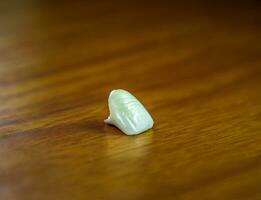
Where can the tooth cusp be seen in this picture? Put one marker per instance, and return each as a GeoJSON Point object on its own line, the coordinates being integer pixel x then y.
{"type": "Point", "coordinates": [127, 113]}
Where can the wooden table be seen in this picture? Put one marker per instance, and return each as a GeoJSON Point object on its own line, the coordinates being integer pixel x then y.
{"type": "Point", "coordinates": [196, 67]}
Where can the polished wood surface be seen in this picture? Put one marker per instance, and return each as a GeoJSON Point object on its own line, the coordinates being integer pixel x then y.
{"type": "Point", "coordinates": [195, 65]}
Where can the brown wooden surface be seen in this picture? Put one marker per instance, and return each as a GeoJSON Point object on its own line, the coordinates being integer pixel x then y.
{"type": "Point", "coordinates": [196, 67]}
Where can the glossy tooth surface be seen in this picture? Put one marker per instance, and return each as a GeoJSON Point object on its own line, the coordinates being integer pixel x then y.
{"type": "Point", "coordinates": [127, 113]}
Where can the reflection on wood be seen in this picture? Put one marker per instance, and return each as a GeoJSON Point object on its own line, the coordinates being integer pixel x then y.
{"type": "Point", "coordinates": [196, 67]}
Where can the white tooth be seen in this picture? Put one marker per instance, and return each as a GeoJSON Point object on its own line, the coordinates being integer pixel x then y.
{"type": "Point", "coordinates": [127, 113]}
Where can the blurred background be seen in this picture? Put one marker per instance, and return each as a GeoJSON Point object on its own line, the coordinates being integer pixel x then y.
{"type": "Point", "coordinates": [194, 64]}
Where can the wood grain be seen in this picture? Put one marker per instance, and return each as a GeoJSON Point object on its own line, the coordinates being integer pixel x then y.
{"type": "Point", "coordinates": [195, 65]}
